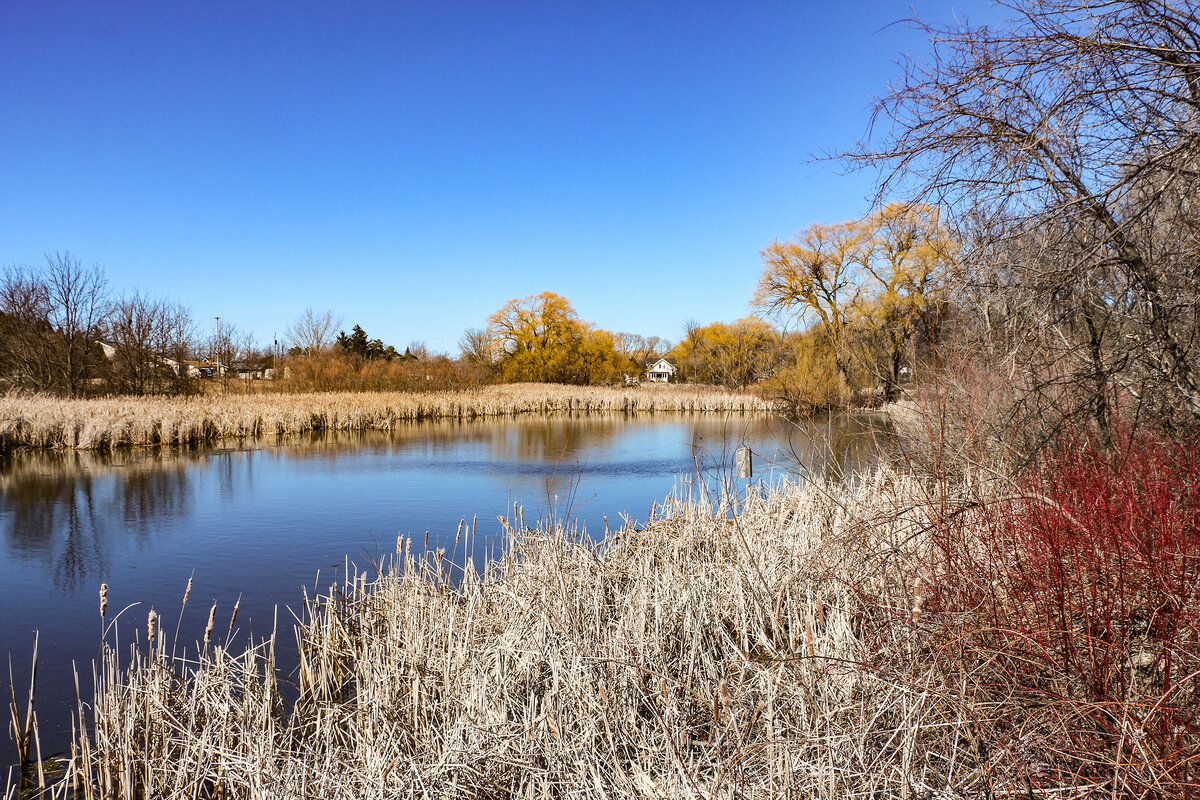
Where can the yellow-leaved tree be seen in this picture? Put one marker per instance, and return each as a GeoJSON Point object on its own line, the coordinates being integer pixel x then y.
{"type": "Point", "coordinates": [540, 338]}
{"type": "Point", "coordinates": [861, 288]}
{"type": "Point", "coordinates": [731, 355]}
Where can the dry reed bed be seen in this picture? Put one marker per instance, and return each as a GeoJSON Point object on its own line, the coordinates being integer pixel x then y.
{"type": "Point", "coordinates": [708, 654]}
{"type": "Point", "coordinates": [131, 421]}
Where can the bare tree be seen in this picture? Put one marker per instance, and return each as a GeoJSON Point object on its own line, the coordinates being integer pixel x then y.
{"type": "Point", "coordinates": [313, 331]}
{"type": "Point", "coordinates": [640, 348]}
{"type": "Point", "coordinates": [53, 318]}
{"type": "Point", "coordinates": [29, 345]}
{"type": "Point", "coordinates": [1069, 143]}
{"type": "Point", "coordinates": [150, 342]}
{"type": "Point", "coordinates": [478, 347]}
{"type": "Point", "coordinates": [78, 302]}
{"type": "Point", "coordinates": [229, 348]}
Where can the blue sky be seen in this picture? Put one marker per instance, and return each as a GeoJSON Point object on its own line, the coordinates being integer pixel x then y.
{"type": "Point", "coordinates": [412, 166]}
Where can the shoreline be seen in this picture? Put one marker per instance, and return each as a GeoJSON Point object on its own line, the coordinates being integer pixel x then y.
{"type": "Point", "coordinates": [715, 650]}
{"type": "Point", "coordinates": [111, 423]}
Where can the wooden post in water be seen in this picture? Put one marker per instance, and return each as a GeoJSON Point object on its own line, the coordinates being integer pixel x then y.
{"type": "Point", "coordinates": [743, 462]}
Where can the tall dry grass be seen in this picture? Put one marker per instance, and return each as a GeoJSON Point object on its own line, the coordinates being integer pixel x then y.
{"type": "Point", "coordinates": [718, 651]}
{"type": "Point", "coordinates": [38, 421]}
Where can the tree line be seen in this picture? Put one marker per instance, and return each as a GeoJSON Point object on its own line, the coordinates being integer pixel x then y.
{"type": "Point", "coordinates": [63, 331]}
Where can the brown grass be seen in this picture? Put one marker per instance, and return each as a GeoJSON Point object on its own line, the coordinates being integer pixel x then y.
{"type": "Point", "coordinates": [42, 422]}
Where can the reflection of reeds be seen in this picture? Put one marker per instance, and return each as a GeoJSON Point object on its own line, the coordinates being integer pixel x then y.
{"type": "Point", "coordinates": [117, 422]}
{"type": "Point", "coordinates": [708, 654]}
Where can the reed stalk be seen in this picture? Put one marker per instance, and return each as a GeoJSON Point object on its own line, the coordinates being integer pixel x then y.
{"type": "Point", "coordinates": [792, 641]}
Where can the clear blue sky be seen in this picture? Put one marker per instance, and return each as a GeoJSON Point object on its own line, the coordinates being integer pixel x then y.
{"type": "Point", "coordinates": [413, 165]}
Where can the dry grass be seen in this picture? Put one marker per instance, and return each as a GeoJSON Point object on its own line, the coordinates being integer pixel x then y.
{"type": "Point", "coordinates": [708, 654]}
{"type": "Point", "coordinates": [127, 421]}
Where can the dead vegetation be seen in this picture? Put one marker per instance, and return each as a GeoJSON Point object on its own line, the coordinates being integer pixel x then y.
{"type": "Point", "coordinates": [43, 421]}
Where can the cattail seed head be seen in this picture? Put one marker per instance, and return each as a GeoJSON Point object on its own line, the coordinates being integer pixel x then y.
{"type": "Point", "coordinates": [233, 617]}
{"type": "Point", "coordinates": [151, 626]}
{"type": "Point", "coordinates": [212, 615]}
{"type": "Point", "coordinates": [187, 591]}
{"type": "Point", "coordinates": [103, 600]}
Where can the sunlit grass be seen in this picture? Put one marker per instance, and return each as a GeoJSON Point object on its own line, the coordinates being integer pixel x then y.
{"type": "Point", "coordinates": [37, 421]}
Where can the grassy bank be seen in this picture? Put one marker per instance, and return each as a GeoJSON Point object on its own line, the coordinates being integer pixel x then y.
{"type": "Point", "coordinates": [132, 421]}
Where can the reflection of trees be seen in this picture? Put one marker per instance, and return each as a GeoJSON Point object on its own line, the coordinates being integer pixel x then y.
{"type": "Point", "coordinates": [552, 441]}
{"type": "Point", "coordinates": [69, 510]}
{"type": "Point", "coordinates": [539, 438]}
{"type": "Point", "coordinates": [60, 508]}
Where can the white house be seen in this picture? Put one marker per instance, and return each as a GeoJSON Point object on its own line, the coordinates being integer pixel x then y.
{"type": "Point", "coordinates": [660, 371]}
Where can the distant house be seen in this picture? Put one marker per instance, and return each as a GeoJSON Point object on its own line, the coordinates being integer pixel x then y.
{"type": "Point", "coordinates": [204, 369]}
{"type": "Point", "coordinates": [660, 371]}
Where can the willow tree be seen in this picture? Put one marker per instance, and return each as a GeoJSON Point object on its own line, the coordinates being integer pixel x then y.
{"type": "Point", "coordinates": [541, 338]}
{"type": "Point", "coordinates": [860, 287]}
{"type": "Point", "coordinates": [730, 355]}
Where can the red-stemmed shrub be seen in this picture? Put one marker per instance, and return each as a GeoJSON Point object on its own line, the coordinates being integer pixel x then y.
{"type": "Point", "coordinates": [1073, 606]}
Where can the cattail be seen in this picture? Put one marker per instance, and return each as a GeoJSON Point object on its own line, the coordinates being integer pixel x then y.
{"type": "Point", "coordinates": [151, 626]}
{"type": "Point", "coordinates": [233, 617]}
{"type": "Point", "coordinates": [187, 592]}
{"type": "Point", "coordinates": [103, 600]}
{"type": "Point", "coordinates": [720, 700]}
{"type": "Point", "coordinates": [212, 615]}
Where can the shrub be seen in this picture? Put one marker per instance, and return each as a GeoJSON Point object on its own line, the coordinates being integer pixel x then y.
{"type": "Point", "coordinates": [1077, 602]}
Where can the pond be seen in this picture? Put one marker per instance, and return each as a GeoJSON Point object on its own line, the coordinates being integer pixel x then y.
{"type": "Point", "coordinates": [256, 522]}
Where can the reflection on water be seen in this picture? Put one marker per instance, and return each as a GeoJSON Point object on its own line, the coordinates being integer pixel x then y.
{"type": "Point", "coordinates": [64, 507]}
{"type": "Point", "coordinates": [258, 521]}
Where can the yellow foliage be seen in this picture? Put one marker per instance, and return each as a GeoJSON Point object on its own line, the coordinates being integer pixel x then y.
{"type": "Point", "coordinates": [541, 339]}
{"type": "Point", "coordinates": [733, 356]}
{"type": "Point", "coordinates": [864, 284]}
{"type": "Point", "coordinates": [811, 379]}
